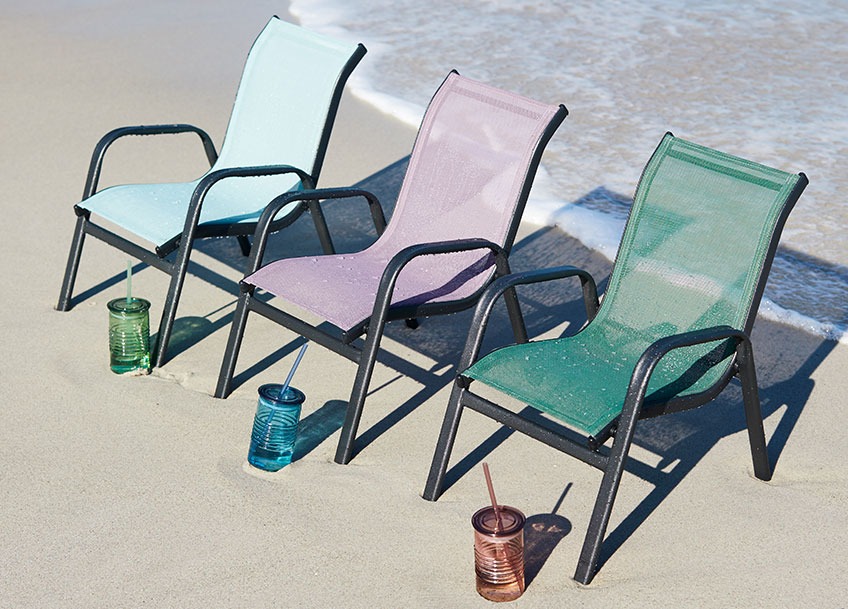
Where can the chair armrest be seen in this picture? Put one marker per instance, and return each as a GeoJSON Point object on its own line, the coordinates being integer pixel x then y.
{"type": "Point", "coordinates": [311, 197]}
{"type": "Point", "coordinates": [497, 288]}
{"type": "Point", "coordinates": [107, 140]}
{"type": "Point", "coordinates": [455, 246]}
{"type": "Point", "coordinates": [648, 361]}
{"type": "Point", "coordinates": [213, 177]}
{"type": "Point", "coordinates": [656, 351]}
{"type": "Point", "coordinates": [405, 256]}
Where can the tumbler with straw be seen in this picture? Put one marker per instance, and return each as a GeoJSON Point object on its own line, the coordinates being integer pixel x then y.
{"type": "Point", "coordinates": [275, 423]}
{"type": "Point", "coordinates": [129, 332]}
{"type": "Point", "coordinates": [498, 548]}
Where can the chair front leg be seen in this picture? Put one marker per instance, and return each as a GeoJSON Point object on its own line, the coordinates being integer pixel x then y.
{"type": "Point", "coordinates": [633, 401]}
{"type": "Point", "coordinates": [591, 551]}
{"type": "Point", "coordinates": [444, 446]}
{"type": "Point", "coordinates": [367, 359]}
{"type": "Point", "coordinates": [344, 451]}
{"type": "Point", "coordinates": [169, 314]}
{"type": "Point", "coordinates": [376, 325]}
{"type": "Point", "coordinates": [228, 365]}
{"type": "Point", "coordinates": [74, 256]}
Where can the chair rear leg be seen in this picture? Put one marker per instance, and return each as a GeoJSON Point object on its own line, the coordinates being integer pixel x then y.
{"type": "Point", "coordinates": [321, 228]}
{"type": "Point", "coordinates": [344, 451]}
{"type": "Point", "coordinates": [444, 446]}
{"type": "Point", "coordinates": [74, 256]}
{"type": "Point", "coordinates": [228, 365]}
{"type": "Point", "coordinates": [753, 413]}
{"type": "Point", "coordinates": [244, 244]}
{"type": "Point", "coordinates": [516, 318]}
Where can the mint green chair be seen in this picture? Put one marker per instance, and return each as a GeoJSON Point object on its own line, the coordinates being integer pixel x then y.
{"type": "Point", "coordinates": [673, 328]}
{"type": "Point", "coordinates": [275, 143]}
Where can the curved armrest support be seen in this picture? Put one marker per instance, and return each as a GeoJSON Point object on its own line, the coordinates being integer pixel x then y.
{"type": "Point", "coordinates": [212, 178]}
{"type": "Point", "coordinates": [107, 140]}
{"type": "Point", "coordinates": [406, 255]}
{"type": "Point", "coordinates": [499, 286]}
{"type": "Point", "coordinates": [648, 361]}
{"type": "Point", "coordinates": [310, 196]}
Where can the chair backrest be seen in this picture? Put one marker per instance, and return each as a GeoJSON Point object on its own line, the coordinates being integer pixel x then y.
{"type": "Point", "coordinates": [287, 99]}
{"type": "Point", "coordinates": [696, 250]}
{"type": "Point", "coordinates": [470, 171]}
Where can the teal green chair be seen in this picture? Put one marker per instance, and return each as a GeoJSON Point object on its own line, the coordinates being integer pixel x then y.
{"type": "Point", "coordinates": [275, 143]}
{"type": "Point", "coordinates": [673, 328]}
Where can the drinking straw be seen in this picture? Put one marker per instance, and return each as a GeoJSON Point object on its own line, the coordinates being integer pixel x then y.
{"type": "Point", "coordinates": [129, 281]}
{"type": "Point", "coordinates": [500, 548]}
{"type": "Point", "coordinates": [293, 368]}
{"type": "Point", "coordinates": [498, 523]}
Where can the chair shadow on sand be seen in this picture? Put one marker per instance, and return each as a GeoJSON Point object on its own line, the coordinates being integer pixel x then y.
{"type": "Point", "coordinates": [786, 360]}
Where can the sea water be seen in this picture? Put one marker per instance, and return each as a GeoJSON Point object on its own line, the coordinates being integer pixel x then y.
{"type": "Point", "coordinates": [762, 80]}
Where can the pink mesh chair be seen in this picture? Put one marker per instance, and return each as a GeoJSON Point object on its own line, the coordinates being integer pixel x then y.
{"type": "Point", "coordinates": [454, 223]}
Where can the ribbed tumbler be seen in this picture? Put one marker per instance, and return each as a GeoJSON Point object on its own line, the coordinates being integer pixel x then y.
{"type": "Point", "coordinates": [499, 553]}
{"type": "Point", "coordinates": [129, 335]}
{"type": "Point", "coordinates": [275, 427]}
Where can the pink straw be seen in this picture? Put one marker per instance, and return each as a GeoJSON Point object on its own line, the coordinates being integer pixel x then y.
{"type": "Point", "coordinates": [498, 523]}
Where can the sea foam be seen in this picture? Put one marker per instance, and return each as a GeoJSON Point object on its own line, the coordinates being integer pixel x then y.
{"type": "Point", "coordinates": [763, 80]}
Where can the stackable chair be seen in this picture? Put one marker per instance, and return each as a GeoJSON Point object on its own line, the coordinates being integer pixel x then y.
{"type": "Point", "coordinates": [454, 222]}
{"type": "Point", "coordinates": [275, 143]}
{"type": "Point", "coordinates": [672, 330]}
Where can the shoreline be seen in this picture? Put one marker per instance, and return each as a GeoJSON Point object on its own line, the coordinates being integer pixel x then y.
{"type": "Point", "coordinates": [122, 491]}
{"type": "Point", "coordinates": [598, 227]}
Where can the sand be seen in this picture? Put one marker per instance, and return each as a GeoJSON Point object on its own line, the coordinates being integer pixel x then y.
{"type": "Point", "coordinates": [121, 491]}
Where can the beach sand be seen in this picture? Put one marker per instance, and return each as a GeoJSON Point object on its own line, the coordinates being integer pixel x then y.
{"type": "Point", "coordinates": [120, 491]}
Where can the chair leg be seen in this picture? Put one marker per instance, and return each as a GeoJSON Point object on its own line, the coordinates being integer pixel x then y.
{"type": "Point", "coordinates": [244, 244]}
{"type": "Point", "coordinates": [228, 366]}
{"type": "Point", "coordinates": [321, 228]}
{"type": "Point", "coordinates": [516, 319]}
{"type": "Point", "coordinates": [169, 314]}
{"type": "Point", "coordinates": [74, 256]}
{"type": "Point", "coordinates": [444, 446]}
{"type": "Point", "coordinates": [753, 413]}
{"type": "Point", "coordinates": [344, 451]}
{"type": "Point", "coordinates": [589, 555]}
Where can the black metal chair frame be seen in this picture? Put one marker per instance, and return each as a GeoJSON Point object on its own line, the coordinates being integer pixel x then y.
{"type": "Point", "coordinates": [192, 230]}
{"type": "Point", "coordinates": [635, 407]}
{"type": "Point", "coordinates": [342, 342]}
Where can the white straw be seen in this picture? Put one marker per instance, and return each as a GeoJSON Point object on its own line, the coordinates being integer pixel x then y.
{"type": "Point", "coordinates": [293, 368]}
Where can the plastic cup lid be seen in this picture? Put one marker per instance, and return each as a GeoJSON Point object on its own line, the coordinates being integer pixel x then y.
{"type": "Point", "coordinates": [485, 521]}
{"type": "Point", "coordinates": [133, 305]}
{"type": "Point", "coordinates": [271, 392]}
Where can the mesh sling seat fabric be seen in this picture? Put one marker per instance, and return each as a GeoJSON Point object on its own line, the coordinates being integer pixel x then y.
{"type": "Point", "coordinates": [454, 222]}
{"type": "Point", "coordinates": [275, 143]}
{"type": "Point", "coordinates": [671, 332]}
